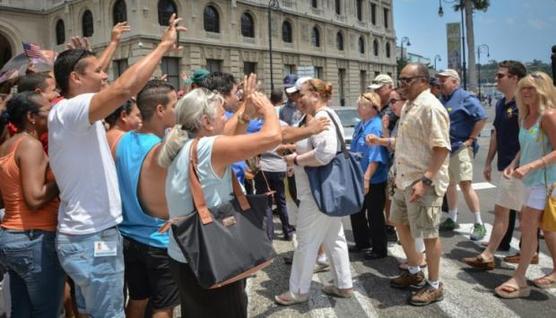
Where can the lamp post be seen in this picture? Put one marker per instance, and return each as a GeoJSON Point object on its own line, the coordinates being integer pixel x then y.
{"type": "Point", "coordinates": [440, 14]}
{"type": "Point", "coordinates": [437, 57]}
{"type": "Point", "coordinates": [553, 60]}
{"type": "Point", "coordinates": [405, 40]}
{"type": "Point", "coordinates": [272, 4]}
{"type": "Point", "coordinates": [482, 46]}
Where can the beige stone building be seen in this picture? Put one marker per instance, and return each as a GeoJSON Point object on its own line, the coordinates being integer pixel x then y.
{"type": "Point", "coordinates": [346, 42]}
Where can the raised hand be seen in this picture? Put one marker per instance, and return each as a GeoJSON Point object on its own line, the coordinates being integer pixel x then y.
{"type": "Point", "coordinates": [170, 36]}
{"type": "Point", "coordinates": [79, 43]}
{"type": "Point", "coordinates": [118, 30]}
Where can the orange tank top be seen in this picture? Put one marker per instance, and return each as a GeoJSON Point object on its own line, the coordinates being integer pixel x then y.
{"type": "Point", "coordinates": [17, 215]}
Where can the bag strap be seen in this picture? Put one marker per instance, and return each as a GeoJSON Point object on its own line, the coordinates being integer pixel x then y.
{"type": "Point", "coordinates": [338, 134]}
{"type": "Point", "coordinates": [197, 191]}
{"type": "Point", "coordinates": [550, 188]}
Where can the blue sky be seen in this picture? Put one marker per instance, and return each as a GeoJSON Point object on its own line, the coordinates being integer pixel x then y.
{"type": "Point", "coordinates": [513, 29]}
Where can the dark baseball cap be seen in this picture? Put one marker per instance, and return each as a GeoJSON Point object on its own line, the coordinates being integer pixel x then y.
{"type": "Point", "coordinates": [289, 80]}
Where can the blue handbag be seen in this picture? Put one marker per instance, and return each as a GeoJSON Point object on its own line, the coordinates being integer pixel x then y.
{"type": "Point", "coordinates": [337, 187]}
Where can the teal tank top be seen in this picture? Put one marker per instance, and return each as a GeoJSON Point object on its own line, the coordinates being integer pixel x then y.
{"type": "Point", "coordinates": [535, 144]}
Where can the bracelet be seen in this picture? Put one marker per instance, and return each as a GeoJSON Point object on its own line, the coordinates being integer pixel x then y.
{"type": "Point", "coordinates": [295, 161]}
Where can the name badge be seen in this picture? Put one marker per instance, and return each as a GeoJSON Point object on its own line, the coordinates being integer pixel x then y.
{"type": "Point", "coordinates": [106, 248]}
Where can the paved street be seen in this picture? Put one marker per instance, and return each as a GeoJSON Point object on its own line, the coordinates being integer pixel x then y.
{"type": "Point", "coordinates": [469, 293]}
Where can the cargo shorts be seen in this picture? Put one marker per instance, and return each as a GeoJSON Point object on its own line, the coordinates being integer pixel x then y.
{"type": "Point", "coordinates": [422, 216]}
{"type": "Point", "coordinates": [461, 165]}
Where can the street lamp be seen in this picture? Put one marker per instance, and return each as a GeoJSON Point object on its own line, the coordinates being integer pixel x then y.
{"type": "Point", "coordinates": [482, 46]}
{"type": "Point", "coordinates": [272, 4]}
{"type": "Point", "coordinates": [405, 40]}
{"type": "Point", "coordinates": [437, 57]}
{"type": "Point", "coordinates": [440, 14]}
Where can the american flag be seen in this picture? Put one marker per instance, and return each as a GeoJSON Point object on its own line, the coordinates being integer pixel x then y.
{"type": "Point", "coordinates": [32, 50]}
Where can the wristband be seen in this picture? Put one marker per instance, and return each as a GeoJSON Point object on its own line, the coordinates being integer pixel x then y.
{"type": "Point", "coordinates": [295, 161]}
{"type": "Point", "coordinates": [426, 181]}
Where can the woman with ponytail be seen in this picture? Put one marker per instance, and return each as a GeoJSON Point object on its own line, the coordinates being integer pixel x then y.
{"type": "Point", "coordinates": [200, 114]}
{"type": "Point", "coordinates": [29, 194]}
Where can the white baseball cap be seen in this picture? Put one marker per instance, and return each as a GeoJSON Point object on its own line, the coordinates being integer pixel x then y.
{"type": "Point", "coordinates": [381, 80]}
{"type": "Point", "coordinates": [298, 84]}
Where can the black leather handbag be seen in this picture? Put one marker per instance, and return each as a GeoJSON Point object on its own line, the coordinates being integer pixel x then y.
{"type": "Point", "coordinates": [225, 243]}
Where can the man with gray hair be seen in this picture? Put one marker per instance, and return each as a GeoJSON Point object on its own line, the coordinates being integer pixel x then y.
{"type": "Point", "coordinates": [383, 85]}
{"type": "Point", "coordinates": [467, 119]}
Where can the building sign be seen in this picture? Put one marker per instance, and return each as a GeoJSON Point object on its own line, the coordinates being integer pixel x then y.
{"type": "Point", "coordinates": [454, 46]}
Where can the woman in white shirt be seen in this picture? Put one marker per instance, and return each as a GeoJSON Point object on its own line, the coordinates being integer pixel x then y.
{"type": "Point", "coordinates": [314, 227]}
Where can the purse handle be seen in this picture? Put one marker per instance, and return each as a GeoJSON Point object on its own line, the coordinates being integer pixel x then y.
{"type": "Point", "coordinates": [550, 188]}
{"type": "Point", "coordinates": [197, 191]}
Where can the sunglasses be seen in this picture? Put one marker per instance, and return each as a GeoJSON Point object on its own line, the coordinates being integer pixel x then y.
{"type": "Point", "coordinates": [372, 103]}
{"type": "Point", "coordinates": [408, 80]}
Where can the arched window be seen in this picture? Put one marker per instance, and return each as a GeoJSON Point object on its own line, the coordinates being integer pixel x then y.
{"type": "Point", "coordinates": [211, 19]}
{"type": "Point", "coordinates": [387, 49]}
{"type": "Point", "coordinates": [119, 13]}
{"type": "Point", "coordinates": [87, 23]}
{"type": "Point", "coordinates": [247, 25]}
{"type": "Point", "coordinates": [338, 6]}
{"type": "Point", "coordinates": [315, 37]}
{"type": "Point", "coordinates": [340, 41]}
{"type": "Point", "coordinates": [375, 47]}
{"type": "Point", "coordinates": [314, 3]}
{"type": "Point", "coordinates": [361, 45]}
{"type": "Point", "coordinates": [60, 32]}
{"type": "Point", "coordinates": [165, 10]}
{"type": "Point", "coordinates": [287, 32]}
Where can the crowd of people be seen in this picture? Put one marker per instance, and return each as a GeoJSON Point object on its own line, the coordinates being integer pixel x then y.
{"type": "Point", "coordinates": [90, 172]}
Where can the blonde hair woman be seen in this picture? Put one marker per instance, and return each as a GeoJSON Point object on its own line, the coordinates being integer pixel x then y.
{"type": "Point", "coordinates": [314, 227]}
{"type": "Point", "coordinates": [534, 164]}
{"type": "Point", "coordinates": [200, 114]}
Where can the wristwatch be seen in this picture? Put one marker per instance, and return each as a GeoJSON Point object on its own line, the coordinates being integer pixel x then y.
{"type": "Point", "coordinates": [426, 181]}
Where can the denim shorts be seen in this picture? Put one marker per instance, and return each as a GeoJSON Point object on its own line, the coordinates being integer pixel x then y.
{"type": "Point", "coordinates": [99, 281]}
{"type": "Point", "coordinates": [36, 277]}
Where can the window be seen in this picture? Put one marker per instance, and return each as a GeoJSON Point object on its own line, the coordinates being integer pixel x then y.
{"type": "Point", "coordinates": [214, 65]}
{"type": "Point", "coordinates": [359, 9]}
{"type": "Point", "coordinates": [287, 32]}
{"type": "Point", "coordinates": [341, 82]}
{"type": "Point", "coordinates": [119, 12]}
{"type": "Point", "coordinates": [387, 49]}
{"type": "Point", "coordinates": [247, 25]}
{"type": "Point", "coordinates": [315, 37]}
{"type": "Point", "coordinates": [339, 41]}
{"type": "Point", "coordinates": [289, 69]}
{"type": "Point", "coordinates": [314, 3]}
{"type": "Point", "coordinates": [60, 32]}
{"type": "Point", "coordinates": [249, 67]}
{"type": "Point", "coordinates": [386, 15]}
{"type": "Point", "coordinates": [87, 23]}
{"type": "Point", "coordinates": [375, 47]}
{"type": "Point", "coordinates": [338, 6]}
{"type": "Point", "coordinates": [211, 19]}
{"type": "Point", "coordinates": [373, 13]}
{"type": "Point", "coordinates": [165, 10]}
{"type": "Point", "coordinates": [361, 45]}
{"type": "Point", "coordinates": [318, 72]}
{"type": "Point", "coordinates": [118, 67]}
{"type": "Point", "coordinates": [363, 81]}
{"type": "Point", "coordinates": [171, 67]}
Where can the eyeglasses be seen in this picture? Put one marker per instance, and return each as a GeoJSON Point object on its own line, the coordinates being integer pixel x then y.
{"type": "Point", "coordinates": [408, 80]}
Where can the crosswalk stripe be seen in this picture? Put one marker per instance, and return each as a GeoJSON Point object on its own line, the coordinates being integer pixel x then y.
{"type": "Point", "coordinates": [480, 186]}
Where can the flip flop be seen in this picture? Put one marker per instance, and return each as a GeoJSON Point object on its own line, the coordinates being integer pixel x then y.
{"type": "Point", "coordinates": [509, 291]}
{"type": "Point", "coordinates": [545, 282]}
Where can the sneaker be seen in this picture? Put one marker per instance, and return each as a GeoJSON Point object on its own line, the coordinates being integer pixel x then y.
{"type": "Point", "coordinates": [514, 259]}
{"type": "Point", "coordinates": [448, 225]}
{"type": "Point", "coordinates": [407, 280]}
{"type": "Point", "coordinates": [427, 295]}
{"type": "Point", "coordinates": [479, 262]}
{"type": "Point", "coordinates": [478, 233]}
{"type": "Point", "coordinates": [321, 267]}
{"type": "Point", "coordinates": [332, 290]}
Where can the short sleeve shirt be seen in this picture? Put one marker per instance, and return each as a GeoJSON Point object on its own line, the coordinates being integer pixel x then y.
{"type": "Point", "coordinates": [506, 123]}
{"type": "Point", "coordinates": [84, 169]}
{"type": "Point", "coordinates": [369, 153]}
{"type": "Point", "coordinates": [424, 124]}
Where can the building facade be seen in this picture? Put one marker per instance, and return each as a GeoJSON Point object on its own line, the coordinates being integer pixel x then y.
{"type": "Point", "coordinates": [345, 42]}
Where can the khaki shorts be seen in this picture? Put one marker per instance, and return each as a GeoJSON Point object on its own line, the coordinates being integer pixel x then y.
{"type": "Point", "coordinates": [509, 193]}
{"type": "Point", "coordinates": [461, 165]}
{"type": "Point", "coordinates": [422, 216]}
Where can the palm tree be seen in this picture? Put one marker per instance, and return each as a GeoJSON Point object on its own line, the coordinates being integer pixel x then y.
{"type": "Point", "coordinates": [469, 6]}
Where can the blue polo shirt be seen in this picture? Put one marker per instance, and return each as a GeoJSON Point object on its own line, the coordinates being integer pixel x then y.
{"type": "Point", "coordinates": [464, 110]}
{"type": "Point", "coordinates": [369, 153]}
{"type": "Point", "coordinates": [506, 123]}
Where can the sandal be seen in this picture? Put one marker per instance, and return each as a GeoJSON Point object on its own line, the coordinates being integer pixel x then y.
{"type": "Point", "coordinates": [545, 282]}
{"type": "Point", "coordinates": [509, 291]}
{"type": "Point", "coordinates": [288, 298]}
